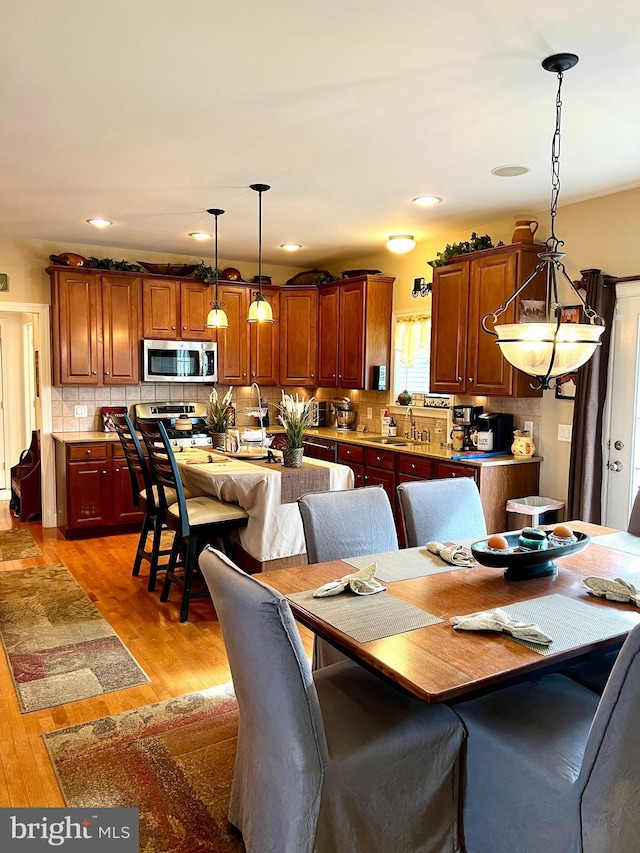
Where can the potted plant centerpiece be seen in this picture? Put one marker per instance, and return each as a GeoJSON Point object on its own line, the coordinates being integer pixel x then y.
{"type": "Point", "coordinates": [294, 417]}
{"type": "Point", "coordinates": [218, 416]}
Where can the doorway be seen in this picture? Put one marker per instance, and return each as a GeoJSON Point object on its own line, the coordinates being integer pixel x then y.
{"type": "Point", "coordinates": [622, 414]}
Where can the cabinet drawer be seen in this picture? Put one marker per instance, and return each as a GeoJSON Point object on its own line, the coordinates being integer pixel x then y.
{"type": "Point", "coordinates": [379, 458]}
{"type": "Point", "coordinates": [415, 466]}
{"type": "Point", "coordinates": [350, 453]}
{"type": "Point", "coordinates": [87, 451]}
{"type": "Point", "coordinates": [451, 469]}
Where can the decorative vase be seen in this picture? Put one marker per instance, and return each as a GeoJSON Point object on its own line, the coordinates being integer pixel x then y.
{"type": "Point", "coordinates": [523, 445]}
{"type": "Point", "coordinates": [524, 232]}
{"type": "Point", "coordinates": [217, 440]}
{"type": "Point", "coordinates": [292, 457]}
{"type": "Point", "coordinates": [404, 398]}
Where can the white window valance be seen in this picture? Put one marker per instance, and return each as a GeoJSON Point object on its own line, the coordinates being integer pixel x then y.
{"type": "Point", "coordinates": [412, 337]}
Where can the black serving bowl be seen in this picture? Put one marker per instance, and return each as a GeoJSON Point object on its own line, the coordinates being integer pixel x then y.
{"type": "Point", "coordinates": [523, 565]}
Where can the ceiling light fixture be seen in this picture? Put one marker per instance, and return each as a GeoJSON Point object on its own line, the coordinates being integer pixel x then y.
{"type": "Point", "coordinates": [100, 223]}
{"type": "Point", "coordinates": [400, 243]}
{"type": "Point", "coordinates": [290, 247]}
{"type": "Point", "coordinates": [549, 349]}
{"type": "Point", "coordinates": [216, 318]}
{"type": "Point", "coordinates": [201, 235]}
{"type": "Point", "coordinates": [260, 310]}
{"type": "Point", "coordinates": [426, 200]}
{"type": "Point", "coordinates": [510, 171]}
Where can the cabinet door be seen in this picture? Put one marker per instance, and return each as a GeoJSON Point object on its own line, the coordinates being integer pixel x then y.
{"type": "Point", "coordinates": [77, 329]}
{"type": "Point", "coordinates": [351, 335]}
{"type": "Point", "coordinates": [89, 494]}
{"type": "Point", "coordinates": [264, 346]}
{"type": "Point", "coordinates": [194, 307]}
{"type": "Point", "coordinates": [449, 329]}
{"type": "Point", "coordinates": [121, 329]}
{"type": "Point", "coordinates": [124, 511]}
{"type": "Point", "coordinates": [328, 329]}
{"type": "Point", "coordinates": [298, 337]}
{"type": "Point", "coordinates": [233, 343]}
{"type": "Point", "coordinates": [452, 469]}
{"type": "Point", "coordinates": [382, 477]}
{"type": "Point", "coordinates": [160, 309]}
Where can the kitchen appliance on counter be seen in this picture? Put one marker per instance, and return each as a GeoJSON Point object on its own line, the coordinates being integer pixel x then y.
{"type": "Point", "coordinates": [344, 415]}
{"type": "Point", "coordinates": [186, 423]}
{"type": "Point", "coordinates": [319, 414]}
{"type": "Point", "coordinates": [465, 417]}
{"type": "Point", "coordinates": [182, 361]}
{"type": "Point", "coordinates": [494, 432]}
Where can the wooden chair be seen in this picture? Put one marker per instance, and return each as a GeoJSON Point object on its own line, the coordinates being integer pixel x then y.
{"type": "Point", "coordinates": [26, 487]}
{"type": "Point", "coordinates": [196, 521]}
{"type": "Point", "coordinates": [145, 496]}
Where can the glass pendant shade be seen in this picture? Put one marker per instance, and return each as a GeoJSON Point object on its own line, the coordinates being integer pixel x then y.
{"type": "Point", "coordinates": [216, 318]}
{"type": "Point", "coordinates": [260, 310]}
{"type": "Point", "coordinates": [530, 346]}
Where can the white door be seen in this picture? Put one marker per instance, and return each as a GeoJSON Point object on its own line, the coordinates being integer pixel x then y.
{"type": "Point", "coordinates": [622, 420]}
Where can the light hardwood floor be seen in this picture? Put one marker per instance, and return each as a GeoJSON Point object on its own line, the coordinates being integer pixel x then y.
{"type": "Point", "coordinates": [178, 658]}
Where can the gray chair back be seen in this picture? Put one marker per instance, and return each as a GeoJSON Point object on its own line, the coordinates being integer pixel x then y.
{"type": "Point", "coordinates": [441, 511]}
{"type": "Point", "coordinates": [634, 519]}
{"type": "Point", "coordinates": [348, 523]}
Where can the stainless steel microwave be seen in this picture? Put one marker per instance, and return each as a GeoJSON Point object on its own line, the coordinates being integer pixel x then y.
{"type": "Point", "coordinates": [179, 361]}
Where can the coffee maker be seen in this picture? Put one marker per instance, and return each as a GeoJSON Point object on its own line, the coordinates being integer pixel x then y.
{"type": "Point", "coordinates": [500, 426]}
{"type": "Point", "coordinates": [465, 417]}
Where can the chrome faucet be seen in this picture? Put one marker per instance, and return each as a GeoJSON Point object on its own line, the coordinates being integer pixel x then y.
{"type": "Point", "coordinates": [411, 431]}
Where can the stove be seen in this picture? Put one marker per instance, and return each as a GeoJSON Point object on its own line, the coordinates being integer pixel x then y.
{"type": "Point", "coordinates": [168, 413]}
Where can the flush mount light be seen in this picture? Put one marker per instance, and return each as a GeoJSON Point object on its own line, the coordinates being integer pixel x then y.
{"type": "Point", "coordinates": [200, 235]}
{"type": "Point", "coordinates": [552, 348]}
{"type": "Point", "coordinates": [426, 200]}
{"type": "Point", "coordinates": [260, 310]}
{"type": "Point", "coordinates": [216, 318]}
{"type": "Point", "coordinates": [400, 243]}
{"type": "Point", "coordinates": [100, 223]}
{"type": "Point", "coordinates": [290, 247]}
{"type": "Point", "coordinates": [510, 171]}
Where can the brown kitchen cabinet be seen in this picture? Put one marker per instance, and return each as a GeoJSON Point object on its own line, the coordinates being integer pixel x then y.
{"type": "Point", "coordinates": [247, 352]}
{"type": "Point", "coordinates": [353, 456]}
{"type": "Point", "coordinates": [380, 470]}
{"type": "Point", "coordinates": [464, 358]}
{"type": "Point", "coordinates": [94, 490]}
{"type": "Point", "coordinates": [354, 330]}
{"type": "Point", "coordinates": [175, 310]}
{"type": "Point", "coordinates": [298, 336]}
{"type": "Point", "coordinates": [96, 327]}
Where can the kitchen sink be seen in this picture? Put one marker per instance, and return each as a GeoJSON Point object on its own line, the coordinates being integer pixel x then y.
{"type": "Point", "coordinates": [396, 442]}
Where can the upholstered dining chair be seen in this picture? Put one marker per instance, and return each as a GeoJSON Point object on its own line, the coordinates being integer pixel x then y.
{"type": "Point", "coordinates": [441, 511]}
{"type": "Point", "coordinates": [196, 521]}
{"type": "Point", "coordinates": [342, 524]}
{"type": "Point", "coordinates": [332, 760]}
{"type": "Point", "coordinates": [634, 519]}
{"type": "Point", "coordinates": [145, 497]}
{"type": "Point", "coordinates": [550, 766]}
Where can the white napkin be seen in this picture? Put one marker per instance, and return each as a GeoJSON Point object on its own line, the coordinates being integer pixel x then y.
{"type": "Point", "coordinates": [362, 583]}
{"type": "Point", "coordinates": [613, 590]}
{"type": "Point", "coordinates": [456, 555]}
{"type": "Point", "coordinates": [498, 620]}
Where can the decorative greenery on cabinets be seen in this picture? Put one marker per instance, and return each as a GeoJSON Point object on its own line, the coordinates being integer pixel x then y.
{"type": "Point", "coordinates": [451, 250]}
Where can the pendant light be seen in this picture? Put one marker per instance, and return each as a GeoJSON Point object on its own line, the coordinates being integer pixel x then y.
{"type": "Point", "coordinates": [216, 318]}
{"type": "Point", "coordinates": [549, 349]}
{"type": "Point", "coordinates": [260, 310]}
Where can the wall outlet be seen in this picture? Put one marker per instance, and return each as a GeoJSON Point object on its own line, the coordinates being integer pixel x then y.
{"type": "Point", "coordinates": [369, 412]}
{"type": "Point", "coordinates": [528, 427]}
{"type": "Point", "coordinates": [564, 432]}
{"type": "Point", "coordinates": [80, 412]}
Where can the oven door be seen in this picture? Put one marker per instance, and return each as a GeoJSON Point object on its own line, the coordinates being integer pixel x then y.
{"type": "Point", "coordinates": [181, 361]}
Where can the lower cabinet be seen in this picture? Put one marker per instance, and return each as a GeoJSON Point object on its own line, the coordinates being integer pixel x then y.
{"type": "Point", "coordinates": [380, 470]}
{"type": "Point", "coordinates": [353, 456]}
{"type": "Point", "coordinates": [94, 490]}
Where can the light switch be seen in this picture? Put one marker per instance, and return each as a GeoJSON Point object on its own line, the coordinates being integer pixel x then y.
{"type": "Point", "coordinates": [565, 432]}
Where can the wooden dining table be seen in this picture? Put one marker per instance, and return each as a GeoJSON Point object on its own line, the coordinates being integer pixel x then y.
{"type": "Point", "coordinates": [437, 663]}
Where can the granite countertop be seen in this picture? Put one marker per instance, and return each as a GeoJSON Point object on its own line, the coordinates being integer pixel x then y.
{"type": "Point", "coordinates": [79, 437]}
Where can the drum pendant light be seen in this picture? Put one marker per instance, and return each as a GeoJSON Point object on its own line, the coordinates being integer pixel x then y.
{"type": "Point", "coordinates": [259, 309]}
{"type": "Point", "coordinates": [216, 318]}
{"type": "Point", "coordinates": [549, 349]}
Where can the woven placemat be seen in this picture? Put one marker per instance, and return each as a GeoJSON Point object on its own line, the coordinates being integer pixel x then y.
{"type": "Point", "coordinates": [300, 481]}
{"type": "Point", "coordinates": [366, 617]}
{"type": "Point", "coordinates": [571, 623]}
{"type": "Point", "coordinates": [621, 541]}
{"type": "Point", "coordinates": [403, 565]}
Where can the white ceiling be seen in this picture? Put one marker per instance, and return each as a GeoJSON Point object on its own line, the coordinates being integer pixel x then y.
{"type": "Point", "coordinates": [148, 112]}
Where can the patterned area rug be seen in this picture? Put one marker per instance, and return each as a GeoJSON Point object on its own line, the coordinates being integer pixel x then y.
{"type": "Point", "coordinates": [17, 544]}
{"type": "Point", "coordinates": [59, 647]}
{"type": "Point", "coordinates": [172, 760]}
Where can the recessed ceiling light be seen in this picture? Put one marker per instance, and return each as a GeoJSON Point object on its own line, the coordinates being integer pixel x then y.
{"type": "Point", "coordinates": [426, 200]}
{"type": "Point", "coordinates": [400, 243]}
{"type": "Point", "coordinates": [100, 223]}
{"type": "Point", "coordinates": [200, 235]}
{"type": "Point", "coordinates": [290, 247]}
{"type": "Point", "coordinates": [510, 171]}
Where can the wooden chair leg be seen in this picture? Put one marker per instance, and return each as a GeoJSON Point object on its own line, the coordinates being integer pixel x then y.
{"type": "Point", "coordinates": [141, 553]}
{"type": "Point", "coordinates": [155, 554]}
{"type": "Point", "coordinates": [189, 564]}
{"type": "Point", "coordinates": [171, 567]}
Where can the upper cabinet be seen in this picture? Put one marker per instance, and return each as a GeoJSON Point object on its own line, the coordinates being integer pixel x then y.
{"type": "Point", "coordinates": [96, 327]}
{"type": "Point", "coordinates": [298, 336]}
{"type": "Point", "coordinates": [464, 358]}
{"type": "Point", "coordinates": [354, 330]}
{"type": "Point", "coordinates": [247, 352]}
{"type": "Point", "coordinates": [176, 310]}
